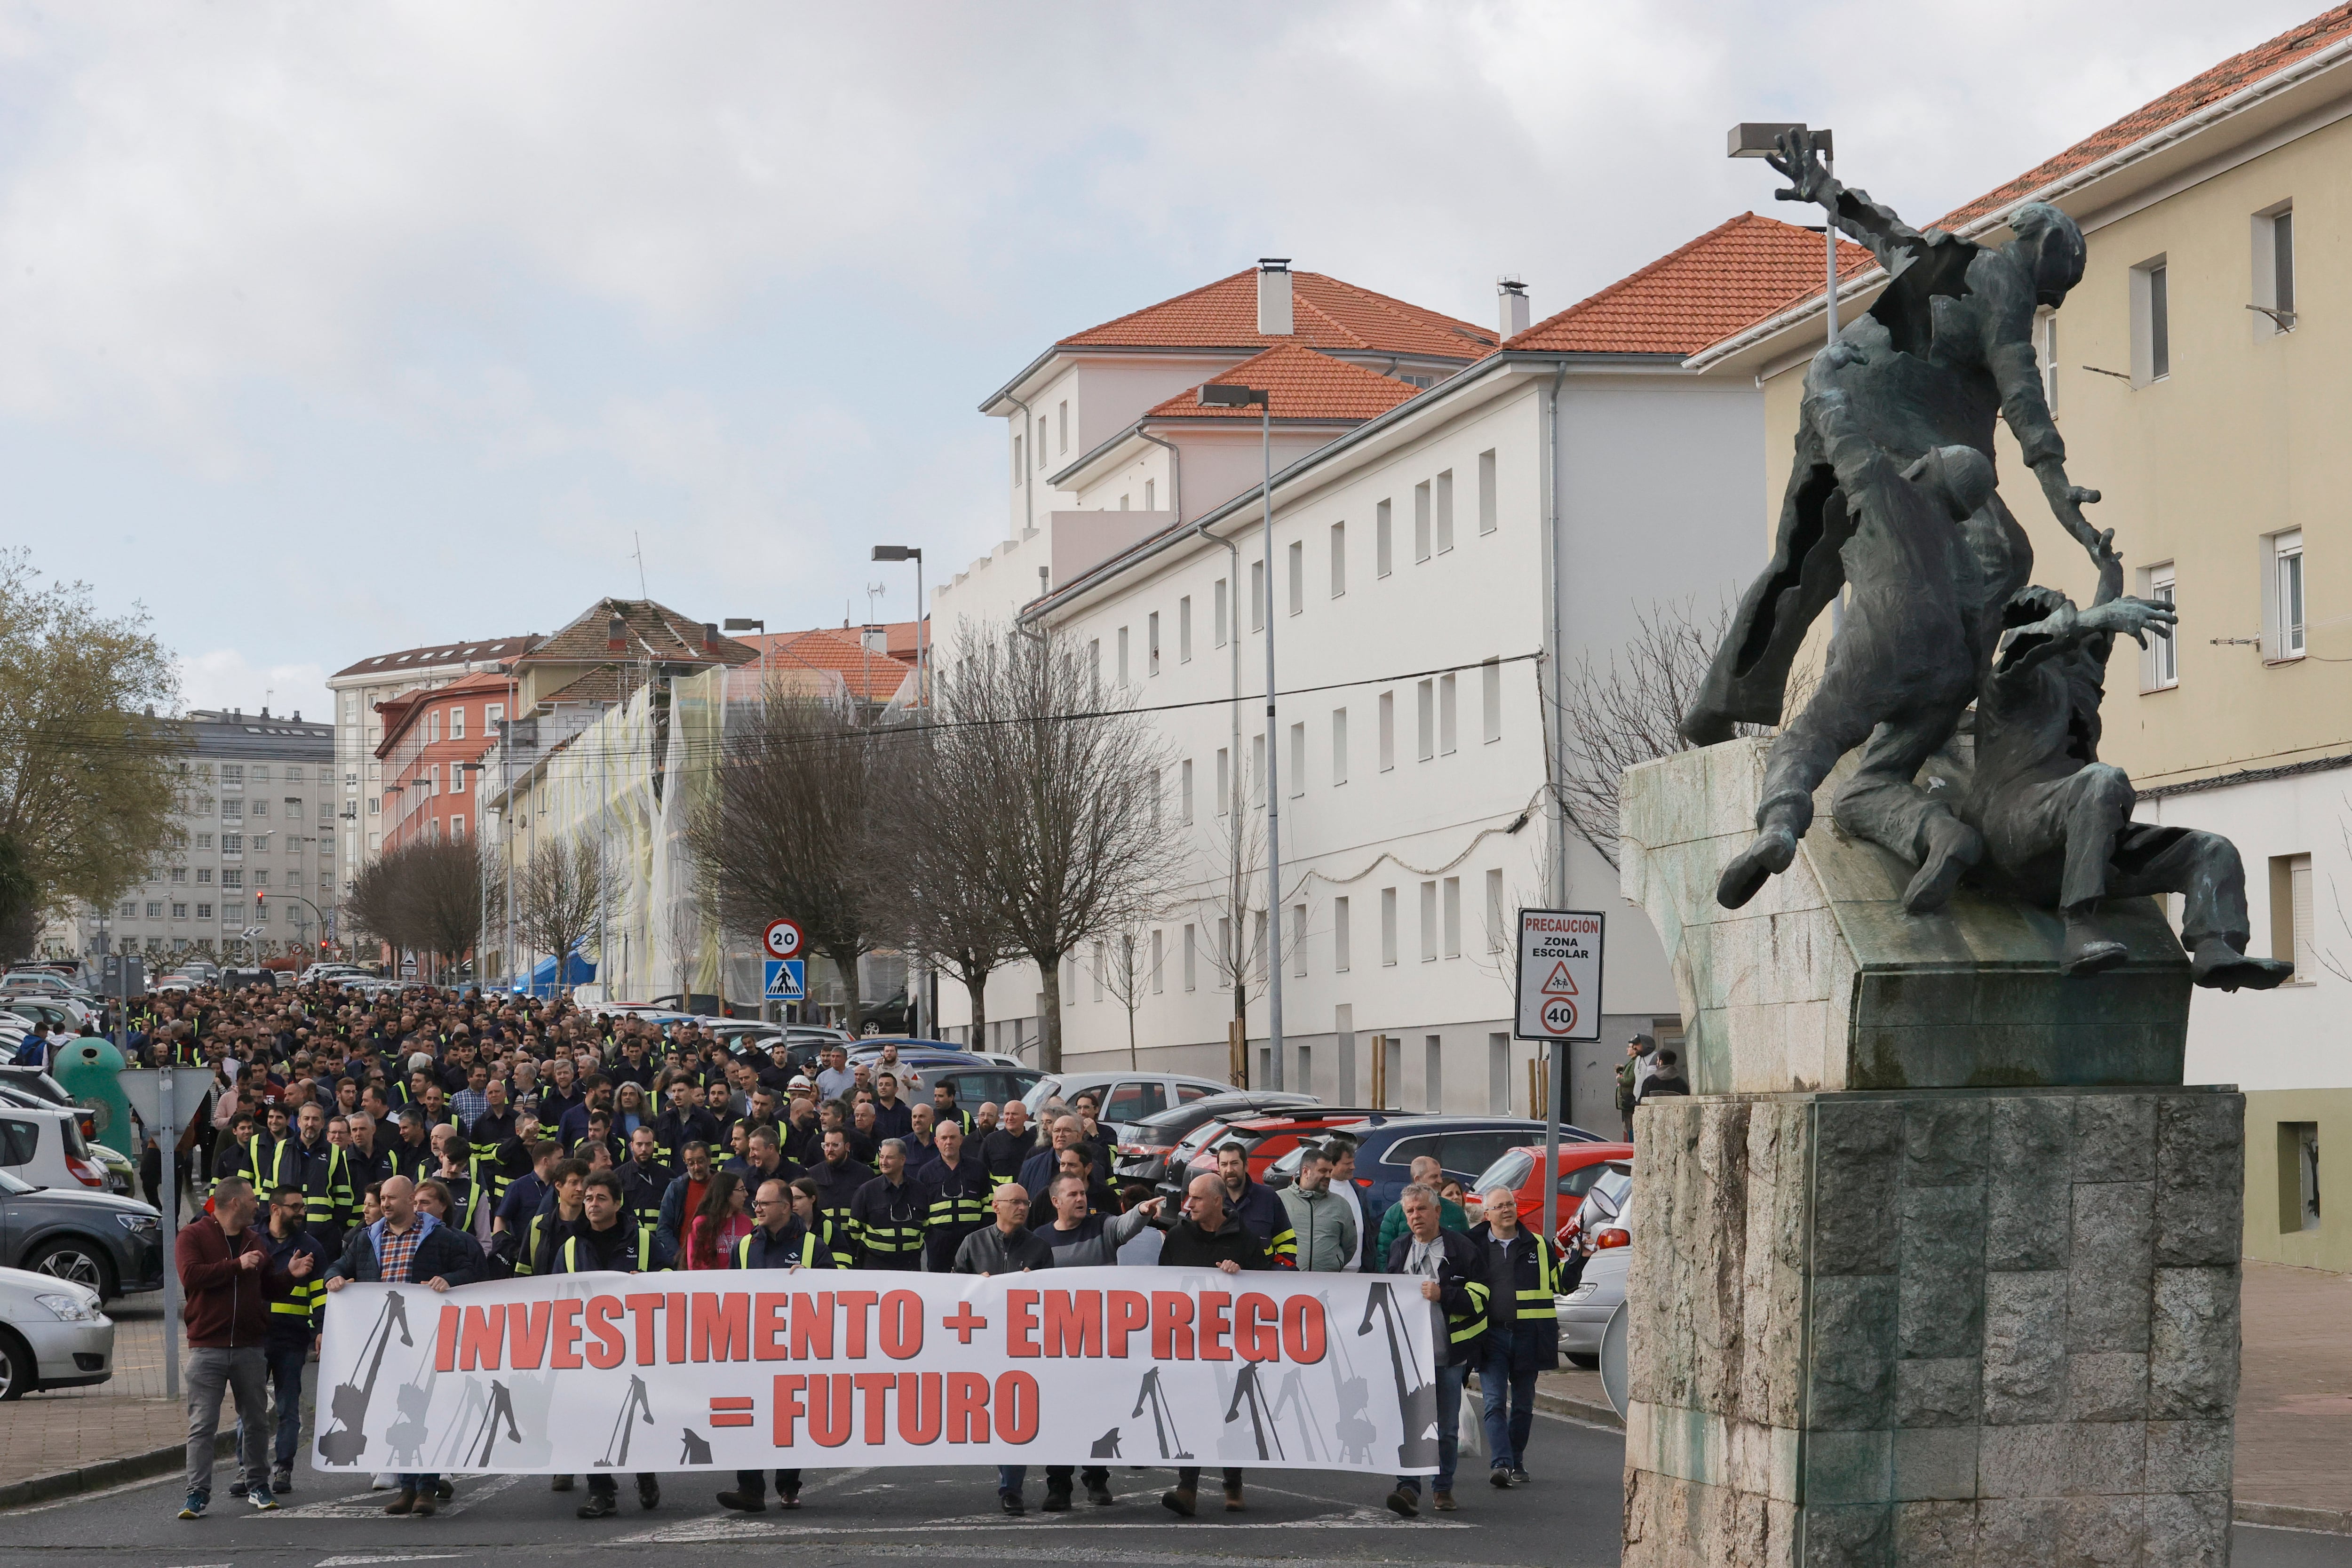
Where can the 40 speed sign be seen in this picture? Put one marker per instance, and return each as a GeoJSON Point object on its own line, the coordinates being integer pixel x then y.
{"type": "Point", "coordinates": [1560, 974]}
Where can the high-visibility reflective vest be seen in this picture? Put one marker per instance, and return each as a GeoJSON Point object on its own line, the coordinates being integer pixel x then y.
{"type": "Point", "coordinates": [959, 1197]}
{"type": "Point", "coordinates": [326, 1180]}
{"type": "Point", "coordinates": [1537, 1301]}
{"type": "Point", "coordinates": [1461, 1327]}
{"type": "Point", "coordinates": [570, 1253]}
{"type": "Point", "coordinates": [887, 1226]}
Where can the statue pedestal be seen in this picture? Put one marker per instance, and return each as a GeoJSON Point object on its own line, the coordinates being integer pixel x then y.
{"type": "Point", "coordinates": [1941, 1264]}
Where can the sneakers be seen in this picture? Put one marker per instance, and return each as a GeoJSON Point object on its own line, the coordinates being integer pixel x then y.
{"type": "Point", "coordinates": [261, 1501]}
{"type": "Point", "coordinates": [1519, 1475]}
{"type": "Point", "coordinates": [1499, 1477]}
{"type": "Point", "coordinates": [1180, 1501]}
{"type": "Point", "coordinates": [445, 1489]}
{"type": "Point", "coordinates": [1011, 1503]}
{"type": "Point", "coordinates": [744, 1502]}
{"type": "Point", "coordinates": [1098, 1494]}
{"type": "Point", "coordinates": [600, 1505]}
{"type": "Point", "coordinates": [1404, 1503]}
{"type": "Point", "coordinates": [648, 1492]}
{"type": "Point", "coordinates": [238, 1489]}
{"type": "Point", "coordinates": [281, 1481]}
{"type": "Point", "coordinates": [404, 1503]}
{"type": "Point", "coordinates": [196, 1505]}
{"type": "Point", "coordinates": [1442, 1501]}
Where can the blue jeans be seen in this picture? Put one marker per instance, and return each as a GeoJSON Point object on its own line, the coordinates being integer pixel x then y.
{"type": "Point", "coordinates": [286, 1384]}
{"type": "Point", "coordinates": [1449, 1429]}
{"type": "Point", "coordinates": [1508, 1395]}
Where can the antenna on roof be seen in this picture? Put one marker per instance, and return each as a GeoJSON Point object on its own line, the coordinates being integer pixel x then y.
{"type": "Point", "coordinates": [641, 563]}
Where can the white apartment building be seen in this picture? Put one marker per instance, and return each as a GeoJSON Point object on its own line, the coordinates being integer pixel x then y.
{"type": "Point", "coordinates": [1436, 551]}
{"type": "Point", "coordinates": [258, 846]}
{"type": "Point", "coordinates": [358, 688]}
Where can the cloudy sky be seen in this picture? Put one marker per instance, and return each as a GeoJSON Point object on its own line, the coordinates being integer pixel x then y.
{"type": "Point", "coordinates": [332, 330]}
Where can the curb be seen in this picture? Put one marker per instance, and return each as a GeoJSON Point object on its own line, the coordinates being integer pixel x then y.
{"type": "Point", "coordinates": [2285, 1516]}
{"type": "Point", "coordinates": [1574, 1409]}
{"type": "Point", "coordinates": [105, 1473]}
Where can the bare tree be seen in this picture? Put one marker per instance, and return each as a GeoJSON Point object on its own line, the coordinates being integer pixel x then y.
{"type": "Point", "coordinates": [1046, 798]}
{"type": "Point", "coordinates": [557, 892]}
{"type": "Point", "coordinates": [424, 897]}
{"type": "Point", "coordinates": [1117, 966]}
{"type": "Point", "coordinates": [1233, 907]}
{"type": "Point", "coordinates": [1625, 714]}
{"type": "Point", "coordinates": [923, 884]}
{"type": "Point", "coordinates": [787, 830]}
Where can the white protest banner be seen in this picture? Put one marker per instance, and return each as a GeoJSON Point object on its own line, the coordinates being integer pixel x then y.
{"type": "Point", "coordinates": [766, 1368]}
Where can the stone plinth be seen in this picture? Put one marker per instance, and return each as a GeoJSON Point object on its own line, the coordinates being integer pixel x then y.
{"type": "Point", "coordinates": [1940, 1267]}
{"type": "Point", "coordinates": [1993, 1327]}
{"type": "Point", "coordinates": [1822, 982]}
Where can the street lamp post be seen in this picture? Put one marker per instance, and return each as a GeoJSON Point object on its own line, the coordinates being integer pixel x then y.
{"type": "Point", "coordinates": [745, 623]}
{"type": "Point", "coordinates": [1215, 395]}
{"type": "Point", "coordinates": [920, 982]}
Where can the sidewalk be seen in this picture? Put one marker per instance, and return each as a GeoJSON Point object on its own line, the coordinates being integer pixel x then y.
{"type": "Point", "coordinates": [117, 1424]}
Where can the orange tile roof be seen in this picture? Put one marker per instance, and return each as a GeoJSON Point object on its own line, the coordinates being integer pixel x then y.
{"type": "Point", "coordinates": [1303, 385]}
{"type": "Point", "coordinates": [871, 677]}
{"type": "Point", "coordinates": [1736, 273]}
{"type": "Point", "coordinates": [1325, 313]}
{"type": "Point", "coordinates": [2198, 93]}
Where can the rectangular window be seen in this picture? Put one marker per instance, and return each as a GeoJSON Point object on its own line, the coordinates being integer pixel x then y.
{"type": "Point", "coordinates": [232, 774]}
{"type": "Point", "coordinates": [458, 714]}
{"type": "Point", "coordinates": [456, 828]}
{"type": "Point", "coordinates": [1490, 702]}
{"type": "Point", "coordinates": [493, 715]}
{"type": "Point", "coordinates": [1192, 957]}
{"type": "Point", "coordinates": [1041, 463]}
{"type": "Point", "coordinates": [1450, 895]}
{"type": "Point", "coordinates": [1448, 715]}
{"type": "Point", "coordinates": [180, 875]}
{"type": "Point", "coordinates": [1257, 771]}
{"type": "Point", "coordinates": [293, 812]}
{"type": "Point", "coordinates": [2159, 665]}
{"type": "Point", "coordinates": [156, 906]}
{"type": "Point", "coordinates": [2046, 338]}
{"type": "Point", "coordinates": [1445, 511]}
{"type": "Point", "coordinates": [1184, 629]}
{"type": "Point", "coordinates": [1257, 595]}
{"type": "Point", "coordinates": [1339, 746]}
{"type": "Point", "coordinates": [1151, 492]}
{"type": "Point", "coordinates": [457, 778]}
{"type": "Point", "coordinates": [1122, 503]}
{"type": "Point", "coordinates": [1227, 959]}
{"type": "Point", "coordinates": [1219, 597]}
{"type": "Point", "coordinates": [1497, 936]}
{"type": "Point", "coordinates": [1094, 661]}
{"type": "Point", "coordinates": [1259, 953]}
{"type": "Point", "coordinates": [1297, 760]}
{"type": "Point", "coordinates": [1021, 466]}
{"type": "Point", "coordinates": [2151, 321]}
{"type": "Point", "coordinates": [2291, 914]}
{"type": "Point", "coordinates": [232, 878]}
{"type": "Point", "coordinates": [1339, 936]}
{"type": "Point", "coordinates": [1429, 922]}
{"type": "Point", "coordinates": [1062, 414]}
{"type": "Point", "coordinates": [1388, 926]}
{"type": "Point", "coordinates": [2273, 270]}
{"type": "Point", "coordinates": [1122, 647]}
{"type": "Point", "coordinates": [1486, 492]}
{"type": "Point", "coordinates": [1383, 543]}
{"type": "Point", "coordinates": [1185, 789]}
{"type": "Point", "coordinates": [1101, 959]}
{"type": "Point", "coordinates": [232, 843]}
{"type": "Point", "coordinates": [1159, 947]}
{"type": "Point", "coordinates": [1224, 782]}
{"type": "Point", "coordinates": [1433, 1073]}
{"type": "Point", "coordinates": [1388, 731]}
{"type": "Point", "coordinates": [1298, 941]}
{"type": "Point", "coordinates": [1421, 520]}
{"type": "Point", "coordinates": [2298, 1175]}
{"type": "Point", "coordinates": [1339, 558]}
{"type": "Point", "coordinates": [1297, 556]}
{"type": "Point", "coordinates": [1499, 1077]}
{"type": "Point", "coordinates": [432, 728]}
{"type": "Point", "coordinates": [1425, 705]}
{"type": "Point", "coordinates": [204, 873]}
{"type": "Point", "coordinates": [2286, 594]}
{"type": "Point", "coordinates": [179, 912]}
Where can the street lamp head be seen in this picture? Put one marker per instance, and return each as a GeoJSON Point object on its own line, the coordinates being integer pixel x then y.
{"type": "Point", "coordinates": [896, 552]}
{"type": "Point", "coordinates": [1760, 138]}
{"type": "Point", "coordinates": [1216, 394]}
{"type": "Point", "coordinates": [739, 624]}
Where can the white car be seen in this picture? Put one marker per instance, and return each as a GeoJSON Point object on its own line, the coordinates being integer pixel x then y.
{"type": "Point", "coordinates": [46, 1148]}
{"type": "Point", "coordinates": [53, 1334]}
{"type": "Point", "coordinates": [1126, 1097]}
{"type": "Point", "coordinates": [1605, 1221]}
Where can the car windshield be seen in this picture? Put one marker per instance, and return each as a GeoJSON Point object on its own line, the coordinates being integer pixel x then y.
{"type": "Point", "coordinates": [1508, 1171]}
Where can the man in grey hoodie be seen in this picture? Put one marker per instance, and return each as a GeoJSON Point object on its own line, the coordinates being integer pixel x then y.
{"type": "Point", "coordinates": [1325, 1222]}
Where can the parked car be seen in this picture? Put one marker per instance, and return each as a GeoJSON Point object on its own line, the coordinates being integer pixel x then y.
{"type": "Point", "coordinates": [46, 1147]}
{"type": "Point", "coordinates": [58, 1012]}
{"type": "Point", "coordinates": [982, 1083]}
{"type": "Point", "coordinates": [1264, 1140]}
{"type": "Point", "coordinates": [1141, 1159]}
{"type": "Point", "coordinates": [1462, 1145]}
{"type": "Point", "coordinates": [1580, 1165]}
{"type": "Point", "coordinates": [111, 1245]}
{"type": "Point", "coordinates": [1606, 1251]}
{"type": "Point", "coordinates": [53, 1334]}
{"type": "Point", "coordinates": [1126, 1097]}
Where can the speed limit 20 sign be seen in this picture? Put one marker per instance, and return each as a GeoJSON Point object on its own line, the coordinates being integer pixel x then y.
{"type": "Point", "coordinates": [783, 939]}
{"type": "Point", "coordinates": [1560, 974]}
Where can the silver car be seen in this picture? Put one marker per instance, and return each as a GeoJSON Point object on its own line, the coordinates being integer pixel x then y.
{"type": "Point", "coordinates": [1605, 1234]}
{"type": "Point", "coordinates": [52, 1334]}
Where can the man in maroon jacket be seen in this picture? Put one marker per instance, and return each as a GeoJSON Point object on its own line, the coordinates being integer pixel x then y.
{"type": "Point", "coordinates": [227, 1283]}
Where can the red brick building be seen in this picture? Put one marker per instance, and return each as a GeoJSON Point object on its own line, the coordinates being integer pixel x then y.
{"type": "Point", "coordinates": [430, 737]}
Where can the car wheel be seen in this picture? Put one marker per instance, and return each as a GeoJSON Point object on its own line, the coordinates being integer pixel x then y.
{"type": "Point", "coordinates": [79, 1261]}
{"type": "Point", "coordinates": [17, 1371]}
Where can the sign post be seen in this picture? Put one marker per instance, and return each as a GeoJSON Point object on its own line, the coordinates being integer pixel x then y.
{"type": "Point", "coordinates": [1559, 1004]}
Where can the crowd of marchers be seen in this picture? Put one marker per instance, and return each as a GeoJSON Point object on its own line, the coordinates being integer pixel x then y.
{"type": "Point", "coordinates": [440, 1140]}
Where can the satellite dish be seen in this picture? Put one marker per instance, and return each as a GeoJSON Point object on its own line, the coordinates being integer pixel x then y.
{"type": "Point", "coordinates": [1613, 1360]}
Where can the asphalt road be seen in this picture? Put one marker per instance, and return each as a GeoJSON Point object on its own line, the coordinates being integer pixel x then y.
{"type": "Point", "coordinates": [948, 1515]}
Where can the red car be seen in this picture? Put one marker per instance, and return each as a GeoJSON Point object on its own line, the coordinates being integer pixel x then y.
{"type": "Point", "coordinates": [1265, 1139]}
{"type": "Point", "coordinates": [1580, 1165]}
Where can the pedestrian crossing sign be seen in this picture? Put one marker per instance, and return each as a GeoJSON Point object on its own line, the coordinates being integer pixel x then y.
{"type": "Point", "coordinates": [786, 979]}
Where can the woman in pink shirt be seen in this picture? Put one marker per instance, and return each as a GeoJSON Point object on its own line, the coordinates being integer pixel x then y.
{"type": "Point", "coordinates": [718, 1225]}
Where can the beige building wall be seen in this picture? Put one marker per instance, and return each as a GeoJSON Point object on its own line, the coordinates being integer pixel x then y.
{"type": "Point", "coordinates": [2200, 470]}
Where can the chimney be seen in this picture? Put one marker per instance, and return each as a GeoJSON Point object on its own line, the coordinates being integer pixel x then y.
{"type": "Point", "coordinates": [876, 639]}
{"type": "Point", "coordinates": [710, 635]}
{"type": "Point", "coordinates": [298, 715]}
{"type": "Point", "coordinates": [617, 634]}
{"type": "Point", "coordinates": [1512, 304]}
{"type": "Point", "coordinates": [1274, 296]}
